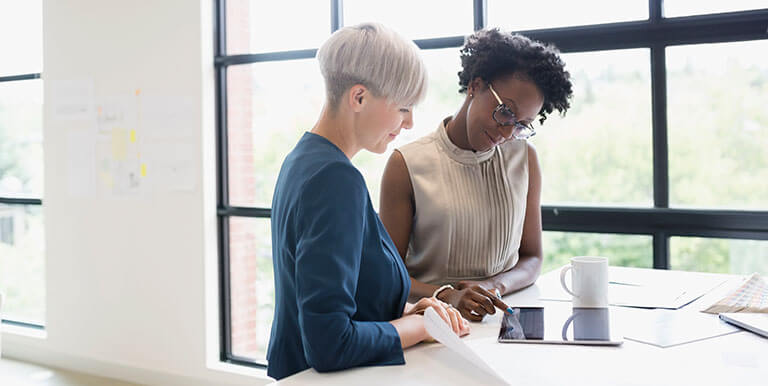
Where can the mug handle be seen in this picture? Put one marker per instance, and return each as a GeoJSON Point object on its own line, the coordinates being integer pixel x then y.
{"type": "Point", "coordinates": [562, 279]}
{"type": "Point", "coordinates": [566, 325]}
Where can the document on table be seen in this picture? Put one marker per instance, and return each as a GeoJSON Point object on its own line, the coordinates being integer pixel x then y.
{"type": "Point", "coordinates": [668, 328]}
{"type": "Point", "coordinates": [442, 333]}
{"type": "Point", "coordinates": [643, 288]}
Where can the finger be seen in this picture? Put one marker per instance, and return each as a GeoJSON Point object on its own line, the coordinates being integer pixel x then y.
{"type": "Point", "coordinates": [464, 327]}
{"type": "Point", "coordinates": [418, 307]}
{"type": "Point", "coordinates": [443, 314]}
{"type": "Point", "coordinates": [474, 306]}
{"type": "Point", "coordinates": [467, 314]}
{"type": "Point", "coordinates": [496, 301]}
{"type": "Point", "coordinates": [483, 300]}
{"type": "Point", "coordinates": [455, 323]}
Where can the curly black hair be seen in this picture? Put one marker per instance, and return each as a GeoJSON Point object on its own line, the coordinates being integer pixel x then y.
{"type": "Point", "coordinates": [489, 54]}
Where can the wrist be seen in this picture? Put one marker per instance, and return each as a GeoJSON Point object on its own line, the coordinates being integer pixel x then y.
{"type": "Point", "coordinates": [440, 290]}
{"type": "Point", "coordinates": [493, 285]}
{"type": "Point", "coordinates": [422, 328]}
{"type": "Point", "coordinates": [445, 295]}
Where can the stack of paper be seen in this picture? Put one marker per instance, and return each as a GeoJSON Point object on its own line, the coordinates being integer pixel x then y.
{"type": "Point", "coordinates": [752, 296]}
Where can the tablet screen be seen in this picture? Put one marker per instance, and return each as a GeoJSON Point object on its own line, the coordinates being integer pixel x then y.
{"type": "Point", "coordinates": [559, 324]}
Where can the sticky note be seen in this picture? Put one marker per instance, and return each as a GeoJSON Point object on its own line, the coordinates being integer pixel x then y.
{"type": "Point", "coordinates": [119, 144]}
{"type": "Point", "coordinates": [143, 170]}
{"type": "Point", "coordinates": [133, 135]}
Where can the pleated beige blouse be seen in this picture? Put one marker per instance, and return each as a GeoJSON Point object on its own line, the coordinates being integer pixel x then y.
{"type": "Point", "coordinates": [469, 211]}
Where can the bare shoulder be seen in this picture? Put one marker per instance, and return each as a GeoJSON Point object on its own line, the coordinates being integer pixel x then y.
{"type": "Point", "coordinates": [396, 178]}
{"type": "Point", "coordinates": [534, 169]}
{"type": "Point", "coordinates": [533, 157]}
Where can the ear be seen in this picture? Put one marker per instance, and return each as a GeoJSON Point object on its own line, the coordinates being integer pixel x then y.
{"type": "Point", "coordinates": [475, 86]}
{"type": "Point", "coordinates": [357, 97]}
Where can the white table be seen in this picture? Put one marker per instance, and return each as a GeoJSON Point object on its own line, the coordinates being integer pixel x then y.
{"type": "Point", "coordinates": [740, 358]}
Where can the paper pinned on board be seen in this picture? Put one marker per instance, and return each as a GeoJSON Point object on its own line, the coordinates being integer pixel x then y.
{"type": "Point", "coordinates": [71, 99]}
{"type": "Point", "coordinates": [442, 333]}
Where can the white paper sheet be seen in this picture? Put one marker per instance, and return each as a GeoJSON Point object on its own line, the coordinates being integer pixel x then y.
{"type": "Point", "coordinates": [668, 328]}
{"type": "Point", "coordinates": [442, 333]}
{"type": "Point", "coordinates": [71, 99]}
{"type": "Point", "coordinates": [80, 167]}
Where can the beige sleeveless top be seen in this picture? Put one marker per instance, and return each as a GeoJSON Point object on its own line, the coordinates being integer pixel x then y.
{"type": "Point", "coordinates": [469, 208]}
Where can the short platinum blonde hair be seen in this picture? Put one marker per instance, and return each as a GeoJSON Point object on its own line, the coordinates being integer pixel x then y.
{"type": "Point", "coordinates": [377, 57]}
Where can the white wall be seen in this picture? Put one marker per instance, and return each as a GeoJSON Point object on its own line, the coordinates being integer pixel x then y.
{"type": "Point", "coordinates": [131, 279]}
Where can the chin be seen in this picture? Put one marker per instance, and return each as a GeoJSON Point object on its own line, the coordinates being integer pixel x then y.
{"type": "Point", "coordinates": [380, 149]}
{"type": "Point", "coordinates": [479, 144]}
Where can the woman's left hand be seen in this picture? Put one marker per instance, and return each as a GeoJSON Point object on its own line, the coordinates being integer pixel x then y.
{"type": "Point", "coordinates": [450, 315]}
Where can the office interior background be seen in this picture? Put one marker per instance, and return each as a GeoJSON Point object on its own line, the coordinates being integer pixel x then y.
{"type": "Point", "coordinates": [140, 143]}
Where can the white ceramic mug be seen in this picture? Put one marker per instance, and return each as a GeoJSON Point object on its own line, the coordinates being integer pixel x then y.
{"type": "Point", "coordinates": [590, 281]}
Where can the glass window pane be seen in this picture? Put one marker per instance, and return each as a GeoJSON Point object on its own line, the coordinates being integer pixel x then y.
{"type": "Point", "coordinates": [718, 255]}
{"type": "Point", "coordinates": [21, 139]}
{"type": "Point", "coordinates": [673, 8]}
{"type": "Point", "coordinates": [267, 26]}
{"type": "Point", "coordinates": [412, 18]}
{"type": "Point", "coordinates": [442, 100]}
{"type": "Point", "coordinates": [252, 286]}
{"type": "Point", "coordinates": [718, 125]}
{"type": "Point", "coordinates": [22, 263]}
{"type": "Point", "coordinates": [21, 37]}
{"type": "Point", "coordinates": [528, 15]}
{"type": "Point", "coordinates": [621, 250]}
{"type": "Point", "coordinates": [263, 127]}
{"type": "Point", "coordinates": [601, 153]}
{"type": "Point", "coordinates": [270, 106]}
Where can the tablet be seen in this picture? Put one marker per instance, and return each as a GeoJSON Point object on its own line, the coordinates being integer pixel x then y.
{"type": "Point", "coordinates": [559, 325]}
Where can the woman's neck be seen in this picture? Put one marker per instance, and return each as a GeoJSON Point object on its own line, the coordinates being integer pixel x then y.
{"type": "Point", "coordinates": [457, 127]}
{"type": "Point", "coordinates": [338, 131]}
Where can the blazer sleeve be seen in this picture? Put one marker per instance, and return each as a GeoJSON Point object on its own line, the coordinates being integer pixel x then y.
{"type": "Point", "coordinates": [331, 219]}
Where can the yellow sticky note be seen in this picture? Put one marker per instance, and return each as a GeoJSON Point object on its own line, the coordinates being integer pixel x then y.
{"type": "Point", "coordinates": [143, 170]}
{"type": "Point", "coordinates": [133, 135]}
{"type": "Point", "coordinates": [119, 144]}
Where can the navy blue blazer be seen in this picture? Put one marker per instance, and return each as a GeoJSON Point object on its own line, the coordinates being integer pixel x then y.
{"type": "Point", "coordinates": [338, 277]}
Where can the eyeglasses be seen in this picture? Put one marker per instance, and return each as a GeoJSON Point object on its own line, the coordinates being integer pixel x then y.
{"type": "Point", "coordinates": [504, 116]}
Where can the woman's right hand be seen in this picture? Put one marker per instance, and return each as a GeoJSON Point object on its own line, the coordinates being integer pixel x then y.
{"type": "Point", "coordinates": [473, 302]}
{"type": "Point", "coordinates": [448, 313]}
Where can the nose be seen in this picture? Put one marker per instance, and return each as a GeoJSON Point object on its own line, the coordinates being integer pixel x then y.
{"type": "Point", "coordinates": [408, 121]}
{"type": "Point", "coordinates": [506, 131]}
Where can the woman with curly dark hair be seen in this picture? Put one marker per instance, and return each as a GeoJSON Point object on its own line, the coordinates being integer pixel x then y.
{"type": "Point", "coordinates": [463, 203]}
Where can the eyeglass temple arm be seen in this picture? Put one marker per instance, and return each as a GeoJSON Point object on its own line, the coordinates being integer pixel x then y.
{"type": "Point", "coordinates": [494, 94]}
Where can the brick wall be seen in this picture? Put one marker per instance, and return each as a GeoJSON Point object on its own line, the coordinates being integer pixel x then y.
{"type": "Point", "coordinates": [242, 179]}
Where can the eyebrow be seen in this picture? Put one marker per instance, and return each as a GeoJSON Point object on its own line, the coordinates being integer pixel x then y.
{"type": "Point", "coordinates": [514, 105]}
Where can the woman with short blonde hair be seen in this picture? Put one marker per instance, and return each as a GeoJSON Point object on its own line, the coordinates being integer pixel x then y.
{"type": "Point", "coordinates": [340, 286]}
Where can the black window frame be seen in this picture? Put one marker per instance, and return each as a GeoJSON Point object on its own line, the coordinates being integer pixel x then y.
{"type": "Point", "coordinates": [21, 200]}
{"type": "Point", "coordinates": [660, 221]}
